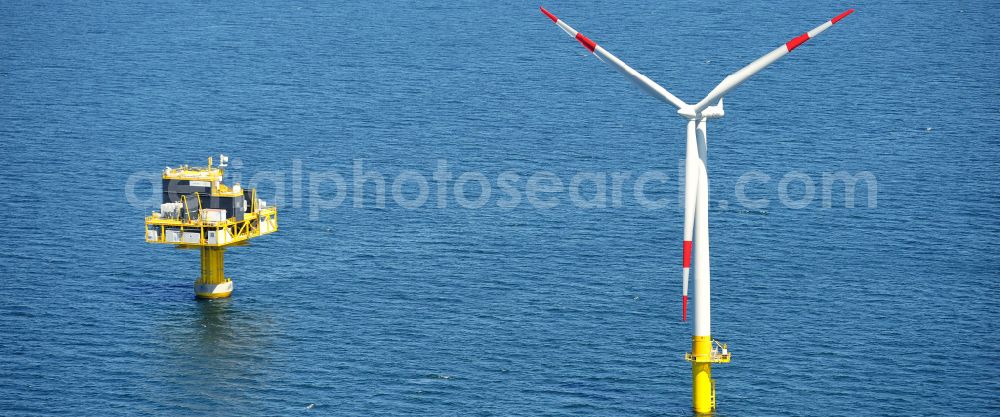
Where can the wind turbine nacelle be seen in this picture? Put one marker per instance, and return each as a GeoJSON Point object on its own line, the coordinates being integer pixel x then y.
{"type": "Point", "coordinates": [714, 112]}
{"type": "Point", "coordinates": [711, 112]}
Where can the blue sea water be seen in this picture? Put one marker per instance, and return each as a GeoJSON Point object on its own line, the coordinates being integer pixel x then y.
{"type": "Point", "coordinates": [888, 309]}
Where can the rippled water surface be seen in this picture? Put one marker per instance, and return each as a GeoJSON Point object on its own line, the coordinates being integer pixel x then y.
{"type": "Point", "coordinates": [890, 309]}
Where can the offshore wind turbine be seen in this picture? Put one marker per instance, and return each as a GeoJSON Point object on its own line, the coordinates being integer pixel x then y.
{"type": "Point", "coordinates": [704, 350]}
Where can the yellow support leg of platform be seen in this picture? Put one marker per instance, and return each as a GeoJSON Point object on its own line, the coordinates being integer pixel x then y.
{"type": "Point", "coordinates": [213, 282]}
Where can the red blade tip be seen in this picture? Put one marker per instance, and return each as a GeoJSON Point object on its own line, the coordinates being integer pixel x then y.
{"type": "Point", "coordinates": [841, 16]}
{"type": "Point", "coordinates": [550, 15]}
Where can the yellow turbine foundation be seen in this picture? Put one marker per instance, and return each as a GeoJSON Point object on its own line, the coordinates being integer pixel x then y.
{"type": "Point", "coordinates": [703, 354]}
{"type": "Point", "coordinates": [702, 386]}
{"type": "Point", "coordinates": [213, 282]}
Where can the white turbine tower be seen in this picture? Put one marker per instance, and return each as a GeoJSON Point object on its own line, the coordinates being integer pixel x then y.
{"type": "Point", "coordinates": [703, 353]}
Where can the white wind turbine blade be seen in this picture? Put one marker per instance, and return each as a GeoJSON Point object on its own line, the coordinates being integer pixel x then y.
{"type": "Point", "coordinates": [640, 80]}
{"type": "Point", "coordinates": [738, 77]}
{"type": "Point", "coordinates": [692, 172]}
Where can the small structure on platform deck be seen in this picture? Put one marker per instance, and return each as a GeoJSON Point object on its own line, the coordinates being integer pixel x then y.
{"type": "Point", "coordinates": [199, 211]}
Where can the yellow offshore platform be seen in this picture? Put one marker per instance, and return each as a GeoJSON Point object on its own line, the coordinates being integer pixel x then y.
{"type": "Point", "coordinates": [199, 211]}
